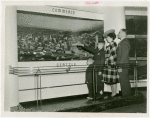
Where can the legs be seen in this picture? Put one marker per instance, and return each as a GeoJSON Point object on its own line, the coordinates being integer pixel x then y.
{"type": "Point", "coordinates": [90, 88]}
{"type": "Point", "coordinates": [125, 83]}
{"type": "Point", "coordinates": [114, 89]}
{"type": "Point", "coordinates": [100, 85]}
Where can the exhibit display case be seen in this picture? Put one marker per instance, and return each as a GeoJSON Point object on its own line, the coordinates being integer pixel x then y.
{"type": "Point", "coordinates": [55, 42]}
{"type": "Point", "coordinates": [45, 39]}
{"type": "Point", "coordinates": [137, 35]}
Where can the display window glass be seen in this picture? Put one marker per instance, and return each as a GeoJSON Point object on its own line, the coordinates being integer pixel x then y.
{"type": "Point", "coordinates": [138, 47]}
{"type": "Point", "coordinates": [51, 37]}
{"type": "Point", "coordinates": [136, 25]}
{"type": "Point", "coordinates": [137, 36]}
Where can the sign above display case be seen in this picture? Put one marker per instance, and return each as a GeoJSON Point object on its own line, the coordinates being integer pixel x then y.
{"type": "Point", "coordinates": [61, 11]}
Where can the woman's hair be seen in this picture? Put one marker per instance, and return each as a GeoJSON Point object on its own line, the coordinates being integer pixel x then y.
{"type": "Point", "coordinates": [112, 35]}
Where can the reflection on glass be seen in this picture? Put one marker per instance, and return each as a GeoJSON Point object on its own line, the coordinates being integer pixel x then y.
{"type": "Point", "coordinates": [140, 25]}
{"type": "Point", "coordinates": [132, 47]}
{"type": "Point", "coordinates": [130, 25]}
{"type": "Point", "coordinates": [141, 47]}
{"type": "Point", "coordinates": [136, 25]}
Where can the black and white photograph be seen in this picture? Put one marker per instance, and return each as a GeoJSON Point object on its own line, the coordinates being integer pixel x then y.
{"type": "Point", "coordinates": [75, 57]}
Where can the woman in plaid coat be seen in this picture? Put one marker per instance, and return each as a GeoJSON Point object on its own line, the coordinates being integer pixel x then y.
{"type": "Point", "coordinates": [110, 74]}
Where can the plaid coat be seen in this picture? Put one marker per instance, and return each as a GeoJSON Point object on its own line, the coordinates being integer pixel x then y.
{"type": "Point", "coordinates": [110, 74]}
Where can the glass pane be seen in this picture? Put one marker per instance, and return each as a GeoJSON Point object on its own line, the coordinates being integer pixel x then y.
{"type": "Point", "coordinates": [130, 24]}
{"type": "Point", "coordinates": [141, 47]}
{"type": "Point", "coordinates": [136, 25]}
{"type": "Point", "coordinates": [132, 49]}
{"type": "Point", "coordinates": [141, 25]}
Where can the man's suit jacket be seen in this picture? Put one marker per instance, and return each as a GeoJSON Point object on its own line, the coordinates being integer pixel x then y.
{"type": "Point", "coordinates": [123, 51]}
{"type": "Point", "coordinates": [122, 58]}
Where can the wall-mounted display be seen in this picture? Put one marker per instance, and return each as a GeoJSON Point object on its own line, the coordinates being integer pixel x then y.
{"type": "Point", "coordinates": [51, 37]}
{"type": "Point", "coordinates": [36, 44]}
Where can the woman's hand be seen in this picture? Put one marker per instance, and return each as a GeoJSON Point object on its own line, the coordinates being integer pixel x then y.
{"type": "Point", "coordinates": [99, 73]}
{"type": "Point", "coordinates": [119, 70]}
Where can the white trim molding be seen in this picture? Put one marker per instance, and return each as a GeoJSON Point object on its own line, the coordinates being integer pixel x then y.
{"type": "Point", "coordinates": [136, 12]}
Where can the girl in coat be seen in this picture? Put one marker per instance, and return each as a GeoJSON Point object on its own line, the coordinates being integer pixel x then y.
{"type": "Point", "coordinates": [110, 74]}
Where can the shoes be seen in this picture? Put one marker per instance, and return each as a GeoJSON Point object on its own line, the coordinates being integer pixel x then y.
{"type": "Point", "coordinates": [114, 95]}
{"type": "Point", "coordinates": [89, 98]}
{"type": "Point", "coordinates": [110, 96]}
{"type": "Point", "coordinates": [102, 81]}
{"type": "Point", "coordinates": [99, 96]}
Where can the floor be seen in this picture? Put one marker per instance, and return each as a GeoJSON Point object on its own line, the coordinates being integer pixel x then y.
{"type": "Point", "coordinates": [56, 105]}
{"type": "Point", "coordinates": [136, 108]}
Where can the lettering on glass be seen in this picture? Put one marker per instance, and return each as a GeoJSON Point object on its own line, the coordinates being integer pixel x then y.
{"type": "Point", "coordinates": [64, 11]}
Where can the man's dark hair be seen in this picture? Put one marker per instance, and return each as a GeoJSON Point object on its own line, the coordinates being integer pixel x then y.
{"type": "Point", "coordinates": [124, 30]}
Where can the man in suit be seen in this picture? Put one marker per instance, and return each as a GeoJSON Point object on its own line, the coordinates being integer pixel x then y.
{"type": "Point", "coordinates": [122, 59]}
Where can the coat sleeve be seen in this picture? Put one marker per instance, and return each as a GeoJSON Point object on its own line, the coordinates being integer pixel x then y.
{"type": "Point", "coordinates": [102, 61]}
{"type": "Point", "coordinates": [89, 49]}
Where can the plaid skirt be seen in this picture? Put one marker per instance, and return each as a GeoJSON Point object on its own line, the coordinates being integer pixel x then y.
{"type": "Point", "coordinates": [110, 75]}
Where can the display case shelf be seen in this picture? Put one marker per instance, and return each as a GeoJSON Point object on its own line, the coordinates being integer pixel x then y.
{"type": "Point", "coordinates": [137, 36]}
{"type": "Point", "coordinates": [138, 58]}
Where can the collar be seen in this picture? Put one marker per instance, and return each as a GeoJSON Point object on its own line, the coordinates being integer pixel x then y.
{"type": "Point", "coordinates": [109, 44]}
{"type": "Point", "coordinates": [121, 39]}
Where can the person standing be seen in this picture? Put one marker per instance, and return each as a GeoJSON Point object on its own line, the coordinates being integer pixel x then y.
{"type": "Point", "coordinates": [99, 62]}
{"type": "Point", "coordinates": [89, 78]}
{"type": "Point", "coordinates": [123, 58]}
{"type": "Point", "coordinates": [110, 73]}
